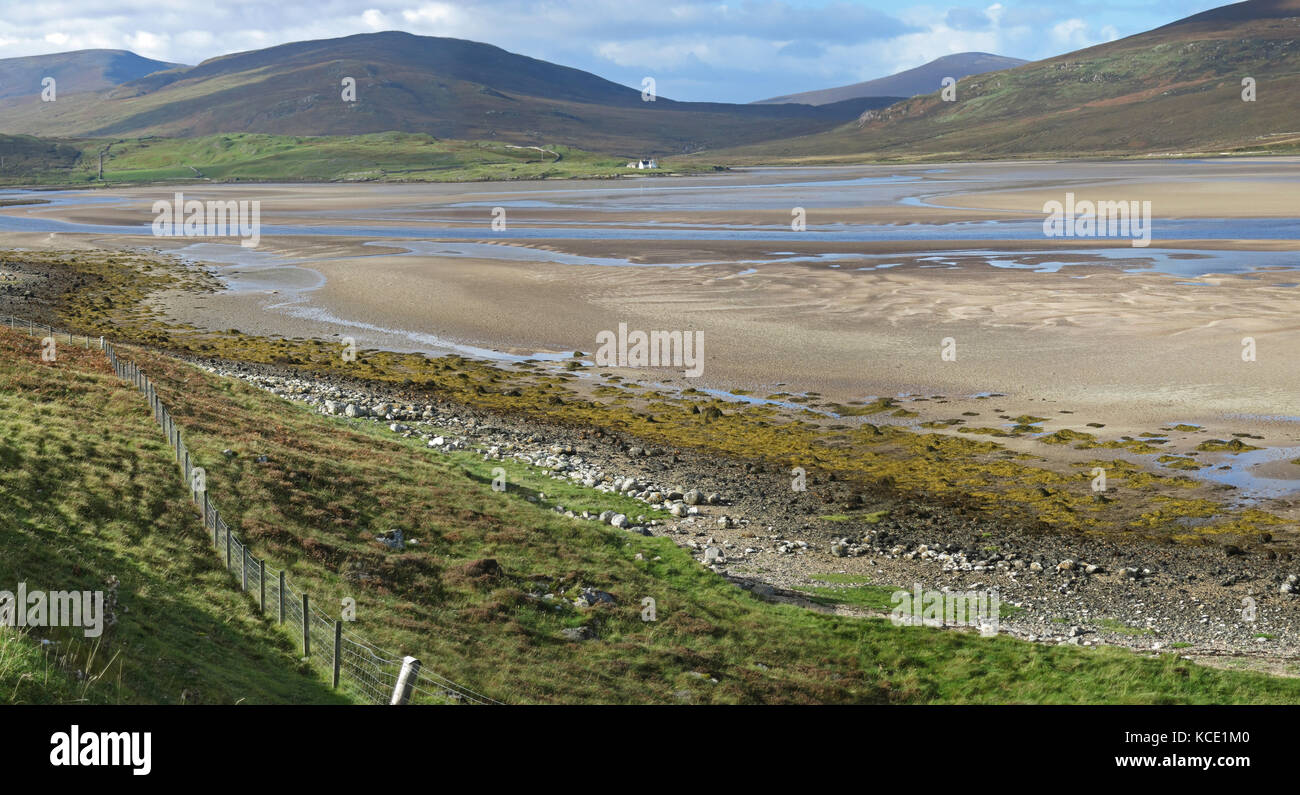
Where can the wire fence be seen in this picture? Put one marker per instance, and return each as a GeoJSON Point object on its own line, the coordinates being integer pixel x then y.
{"type": "Point", "coordinates": [354, 666]}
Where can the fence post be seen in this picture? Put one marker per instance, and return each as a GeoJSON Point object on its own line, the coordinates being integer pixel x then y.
{"type": "Point", "coordinates": [205, 516]}
{"type": "Point", "coordinates": [281, 596]}
{"type": "Point", "coordinates": [306, 628]}
{"type": "Point", "coordinates": [261, 582]}
{"type": "Point", "coordinates": [405, 681]}
{"type": "Point", "coordinates": [338, 650]}
{"type": "Point", "coordinates": [243, 568]}
{"type": "Point", "coordinates": [227, 549]}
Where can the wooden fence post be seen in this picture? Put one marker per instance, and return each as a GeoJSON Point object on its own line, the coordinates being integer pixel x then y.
{"type": "Point", "coordinates": [405, 681]}
{"type": "Point", "coordinates": [261, 581]}
{"type": "Point", "coordinates": [243, 568]}
{"type": "Point", "coordinates": [227, 549]}
{"type": "Point", "coordinates": [281, 596]}
{"type": "Point", "coordinates": [338, 650]}
{"type": "Point", "coordinates": [306, 628]}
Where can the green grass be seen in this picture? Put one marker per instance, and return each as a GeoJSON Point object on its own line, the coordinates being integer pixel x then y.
{"type": "Point", "coordinates": [876, 598]}
{"type": "Point", "coordinates": [250, 157]}
{"type": "Point", "coordinates": [31, 673]}
{"type": "Point", "coordinates": [857, 591]}
{"type": "Point", "coordinates": [326, 489]}
{"type": "Point", "coordinates": [88, 496]}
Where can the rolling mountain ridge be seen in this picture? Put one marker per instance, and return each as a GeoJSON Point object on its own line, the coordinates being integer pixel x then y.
{"type": "Point", "coordinates": [1175, 89]}
{"type": "Point", "coordinates": [921, 80]}
{"type": "Point", "coordinates": [74, 72]}
{"type": "Point", "coordinates": [449, 88]}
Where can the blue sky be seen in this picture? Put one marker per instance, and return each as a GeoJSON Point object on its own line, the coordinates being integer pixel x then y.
{"type": "Point", "coordinates": [731, 51]}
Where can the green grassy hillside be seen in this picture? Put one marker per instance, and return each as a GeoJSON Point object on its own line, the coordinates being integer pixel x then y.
{"type": "Point", "coordinates": [388, 157]}
{"type": "Point", "coordinates": [88, 495]}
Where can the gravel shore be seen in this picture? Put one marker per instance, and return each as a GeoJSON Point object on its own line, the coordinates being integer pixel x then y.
{"type": "Point", "coordinates": [1216, 604]}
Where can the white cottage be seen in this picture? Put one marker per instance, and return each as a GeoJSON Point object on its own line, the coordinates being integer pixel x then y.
{"type": "Point", "coordinates": [643, 163]}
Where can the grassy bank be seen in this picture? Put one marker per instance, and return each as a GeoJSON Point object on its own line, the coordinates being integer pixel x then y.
{"type": "Point", "coordinates": [89, 500]}
{"type": "Point", "coordinates": [312, 493]}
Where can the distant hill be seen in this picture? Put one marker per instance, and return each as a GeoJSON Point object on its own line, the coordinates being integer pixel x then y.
{"type": "Point", "coordinates": [73, 72]}
{"type": "Point", "coordinates": [449, 88]}
{"type": "Point", "coordinates": [1174, 89]}
{"type": "Point", "coordinates": [921, 80]}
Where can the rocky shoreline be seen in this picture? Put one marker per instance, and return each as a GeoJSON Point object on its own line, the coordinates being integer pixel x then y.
{"type": "Point", "coordinates": [1215, 604]}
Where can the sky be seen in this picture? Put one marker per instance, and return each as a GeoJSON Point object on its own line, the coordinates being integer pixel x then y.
{"type": "Point", "coordinates": [729, 51]}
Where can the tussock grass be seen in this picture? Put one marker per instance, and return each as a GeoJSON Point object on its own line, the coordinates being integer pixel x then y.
{"type": "Point", "coordinates": [326, 489]}
{"type": "Point", "coordinates": [88, 496]}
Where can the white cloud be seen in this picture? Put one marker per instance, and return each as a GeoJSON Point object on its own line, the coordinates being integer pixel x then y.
{"type": "Point", "coordinates": [441, 15]}
{"type": "Point", "coordinates": [150, 45]}
{"type": "Point", "coordinates": [1075, 34]}
{"type": "Point", "coordinates": [375, 19]}
{"type": "Point", "coordinates": [733, 50]}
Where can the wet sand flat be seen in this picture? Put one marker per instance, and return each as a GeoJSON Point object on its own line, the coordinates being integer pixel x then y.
{"type": "Point", "coordinates": [1099, 334]}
